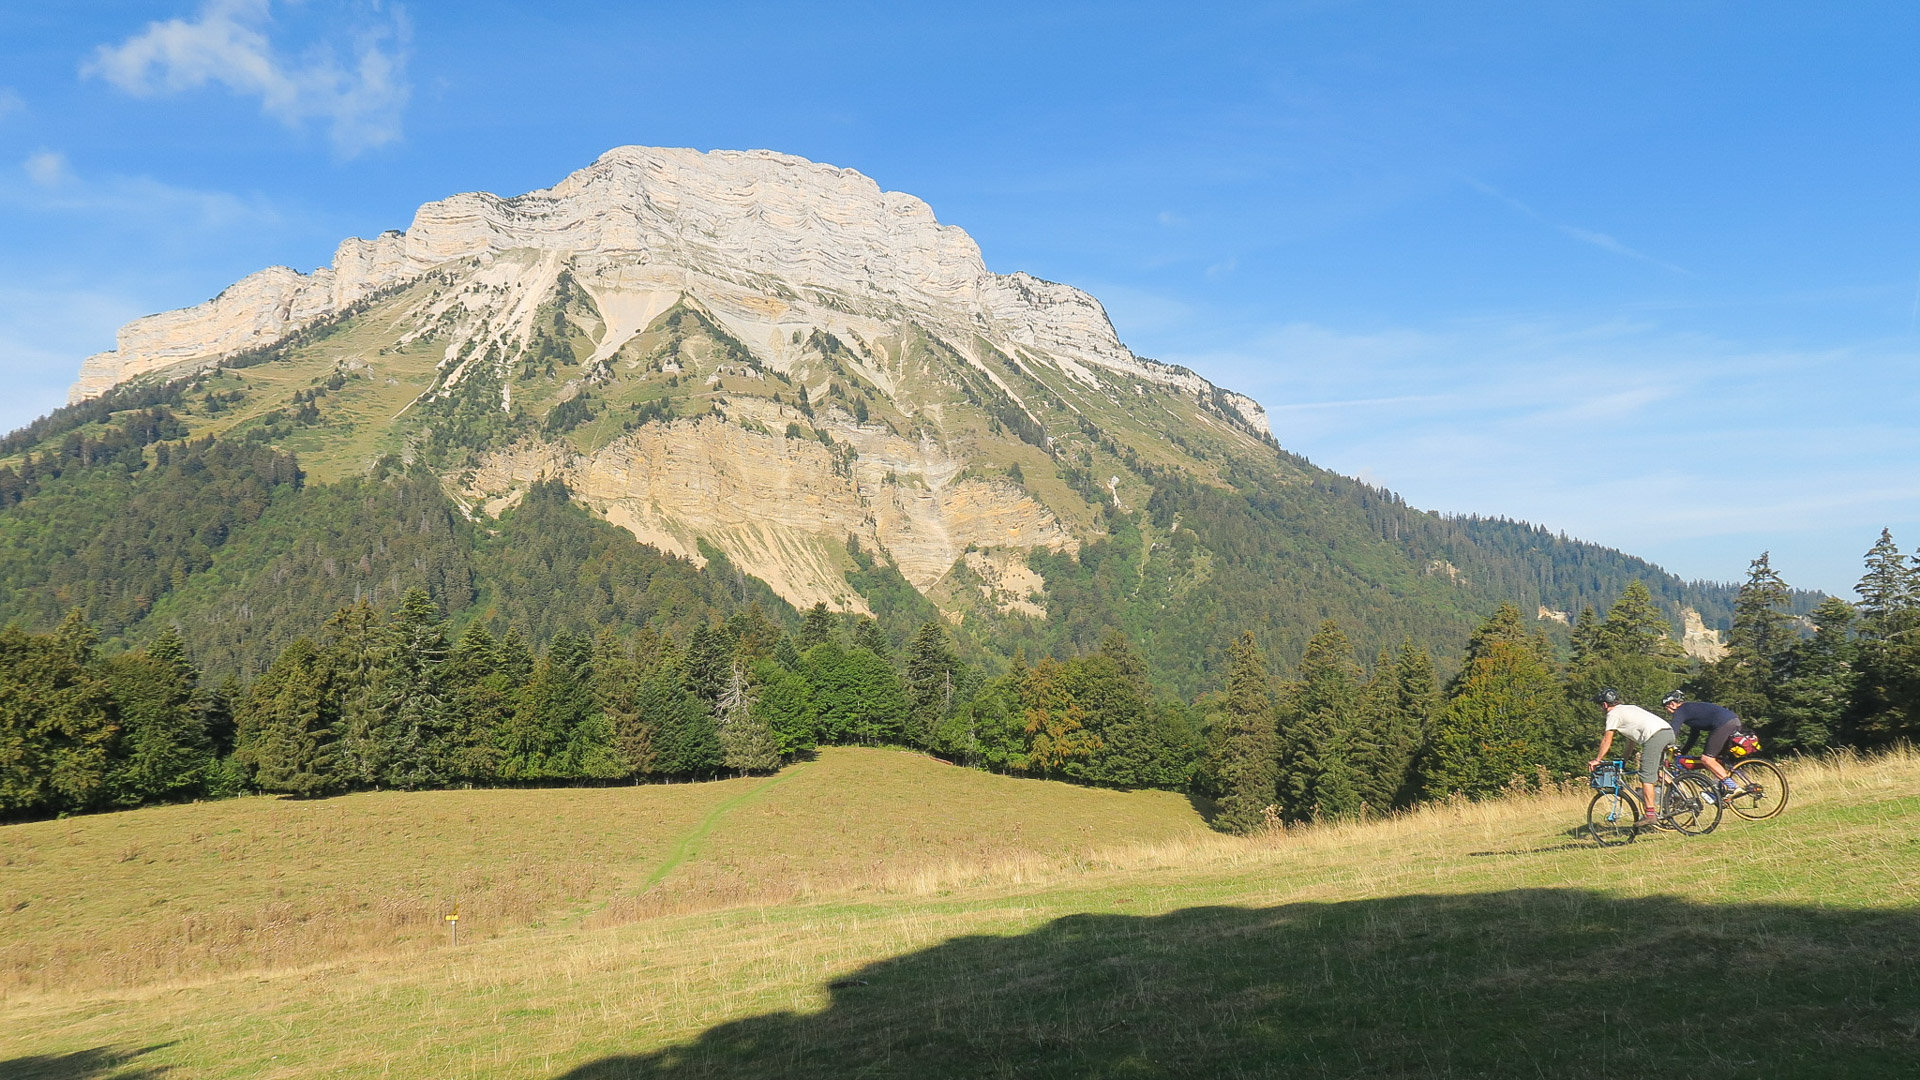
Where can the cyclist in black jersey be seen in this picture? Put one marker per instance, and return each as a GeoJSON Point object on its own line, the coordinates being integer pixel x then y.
{"type": "Point", "coordinates": [1717, 721]}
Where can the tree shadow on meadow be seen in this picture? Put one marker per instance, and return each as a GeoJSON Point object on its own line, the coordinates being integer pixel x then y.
{"type": "Point", "coordinates": [1530, 982]}
{"type": "Point", "coordinates": [99, 1063]}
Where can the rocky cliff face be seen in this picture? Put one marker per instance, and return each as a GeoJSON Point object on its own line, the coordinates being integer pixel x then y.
{"type": "Point", "coordinates": [753, 224]}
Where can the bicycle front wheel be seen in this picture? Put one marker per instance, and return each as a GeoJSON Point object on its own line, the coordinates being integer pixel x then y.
{"type": "Point", "coordinates": [1613, 817]}
{"type": "Point", "coordinates": [1691, 805]}
{"type": "Point", "coordinates": [1766, 793]}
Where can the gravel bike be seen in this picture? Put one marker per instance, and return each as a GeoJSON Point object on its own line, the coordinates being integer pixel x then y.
{"type": "Point", "coordinates": [1687, 806]}
{"type": "Point", "coordinates": [1763, 787]}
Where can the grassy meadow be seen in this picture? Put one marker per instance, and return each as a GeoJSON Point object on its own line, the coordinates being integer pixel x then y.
{"type": "Point", "coordinates": [872, 913]}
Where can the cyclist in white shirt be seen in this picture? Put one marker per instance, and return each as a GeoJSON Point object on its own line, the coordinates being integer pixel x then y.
{"type": "Point", "coordinates": [1652, 733]}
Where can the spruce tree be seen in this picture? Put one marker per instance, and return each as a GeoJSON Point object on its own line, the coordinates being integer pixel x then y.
{"type": "Point", "coordinates": [1886, 703]}
{"type": "Point", "coordinates": [288, 724]}
{"type": "Point", "coordinates": [1820, 683]}
{"type": "Point", "coordinates": [1318, 714]}
{"type": "Point", "coordinates": [1632, 651]}
{"type": "Point", "coordinates": [931, 670]}
{"type": "Point", "coordinates": [481, 695]}
{"type": "Point", "coordinates": [356, 645]}
{"type": "Point", "coordinates": [1247, 749]}
{"type": "Point", "coordinates": [679, 724]}
{"type": "Point", "coordinates": [410, 694]}
{"type": "Point", "coordinates": [1506, 719]}
{"type": "Point", "coordinates": [784, 703]}
{"type": "Point", "coordinates": [816, 628]}
{"type": "Point", "coordinates": [1746, 680]}
{"type": "Point", "coordinates": [747, 742]}
{"type": "Point", "coordinates": [162, 749]}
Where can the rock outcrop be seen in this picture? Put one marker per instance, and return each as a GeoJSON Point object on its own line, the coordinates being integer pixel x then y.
{"type": "Point", "coordinates": [783, 509]}
{"type": "Point", "coordinates": [1697, 641]}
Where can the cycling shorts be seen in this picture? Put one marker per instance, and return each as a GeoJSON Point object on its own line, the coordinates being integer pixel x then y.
{"type": "Point", "coordinates": [1717, 739]}
{"type": "Point", "coordinates": [1650, 753]}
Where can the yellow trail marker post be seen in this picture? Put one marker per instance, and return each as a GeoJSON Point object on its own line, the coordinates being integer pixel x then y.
{"type": "Point", "coordinates": [453, 926]}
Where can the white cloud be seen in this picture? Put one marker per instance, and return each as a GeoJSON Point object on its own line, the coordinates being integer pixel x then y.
{"type": "Point", "coordinates": [47, 168]}
{"type": "Point", "coordinates": [228, 43]}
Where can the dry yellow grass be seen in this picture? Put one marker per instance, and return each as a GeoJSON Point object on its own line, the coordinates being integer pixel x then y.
{"type": "Point", "coordinates": [539, 1000]}
{"type": "Point", "coordinates": [118, 900]}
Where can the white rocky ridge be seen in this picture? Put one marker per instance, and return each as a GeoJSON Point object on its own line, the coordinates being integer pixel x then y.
{"type": "Point", "coordinates": [755, 234]}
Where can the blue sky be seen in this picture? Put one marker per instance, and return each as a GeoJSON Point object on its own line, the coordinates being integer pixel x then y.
{"type": "Point", "coordinates": [1645, 272]}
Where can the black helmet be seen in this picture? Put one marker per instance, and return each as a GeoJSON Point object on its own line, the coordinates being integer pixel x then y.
{"type": "Point", "coordinates": [1609, 696]}
{"type": "Point", "coordinates": [1674, 697]}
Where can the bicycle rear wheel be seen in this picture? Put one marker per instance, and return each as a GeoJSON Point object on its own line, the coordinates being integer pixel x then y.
{"type": "Point", "coordinates": [1613, 817]}
{"type": "Point", "coordinates": [1691, 805]}
{"type": "Point", "coordinates": [1770, 799]}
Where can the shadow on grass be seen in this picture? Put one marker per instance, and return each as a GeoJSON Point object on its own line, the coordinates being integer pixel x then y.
{"type": "Point", "coordinates": [100, 1063]}
{"type": "Point", "coordinates": [1525, 983]}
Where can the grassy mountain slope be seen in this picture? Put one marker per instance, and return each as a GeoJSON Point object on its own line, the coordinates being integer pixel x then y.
{"type": "Point", "coordinates": [1170, 518]}
{"type": "Point", "coordinates": [1472, 940]}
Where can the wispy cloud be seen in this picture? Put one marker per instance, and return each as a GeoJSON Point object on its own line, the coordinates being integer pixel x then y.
{"type": "Point", "coordinates": [135, 201]}
{"type": "Point", "coordinates": [11, 102]}
{"type": "Point", "coordinates": [229, 43]}
{"type": "Point", "coordinates": [1586, 236]}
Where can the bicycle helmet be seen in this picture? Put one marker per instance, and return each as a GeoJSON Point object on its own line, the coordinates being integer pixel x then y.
{"type": "Point", "coordinates": [1609, 696]}
{"type": "Point", "coordinates": [1674, 697]}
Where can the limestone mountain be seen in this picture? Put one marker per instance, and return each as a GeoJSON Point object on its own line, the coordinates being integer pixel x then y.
{"type": "Point", "coordinates": [767, 372]}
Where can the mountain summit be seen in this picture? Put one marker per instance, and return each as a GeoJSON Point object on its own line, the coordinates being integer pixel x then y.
{"type": "Point", "coordinates": [641, 223]}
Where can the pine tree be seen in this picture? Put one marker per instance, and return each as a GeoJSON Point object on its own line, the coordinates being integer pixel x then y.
{"type": "Point", "coordinates": [1248, 746]}
{"type": "Point", "coordinates": [56, 733]}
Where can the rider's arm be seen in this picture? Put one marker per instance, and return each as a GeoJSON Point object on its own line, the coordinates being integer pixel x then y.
{"type": "Point", "coordinates": [1693, 736]}
{"type": "Point", "coordinates": [1606, 741]}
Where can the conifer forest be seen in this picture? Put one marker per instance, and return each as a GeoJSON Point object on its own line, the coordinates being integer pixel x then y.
{"type": "Point", "coordinates": [392, 698]}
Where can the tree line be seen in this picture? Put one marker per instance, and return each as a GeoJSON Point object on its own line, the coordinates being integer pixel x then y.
{"type": "Point", "coordinates": [393, 699]}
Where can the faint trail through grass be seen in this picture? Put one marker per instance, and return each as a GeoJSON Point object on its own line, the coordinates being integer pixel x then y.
{"type": "Point", "coordinates": [683, 848]}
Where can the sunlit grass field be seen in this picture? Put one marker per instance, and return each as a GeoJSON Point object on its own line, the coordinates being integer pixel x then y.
{"type": "Point", "coordinates": [873, 913]}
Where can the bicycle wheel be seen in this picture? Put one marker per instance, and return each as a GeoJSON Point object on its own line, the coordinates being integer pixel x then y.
{"type": "Point", "coordinates": [1691, 806]}
{"type": "Point", "coordinates": [1770, 799]}
{"type": "Point", "coordinates": [1613, 817]}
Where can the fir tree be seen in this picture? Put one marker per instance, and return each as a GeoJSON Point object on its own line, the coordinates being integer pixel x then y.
{"type": "Point", "coordinates": [1746, 680]}
{"type": "Point", "coordinates": [679, 724]}
{"type": "Point", "coordinates": [784, 702]}
{"type": "Point", "coordinates": [1247, 750]}
{"type": "Point", "coordinates": [481, 692]}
